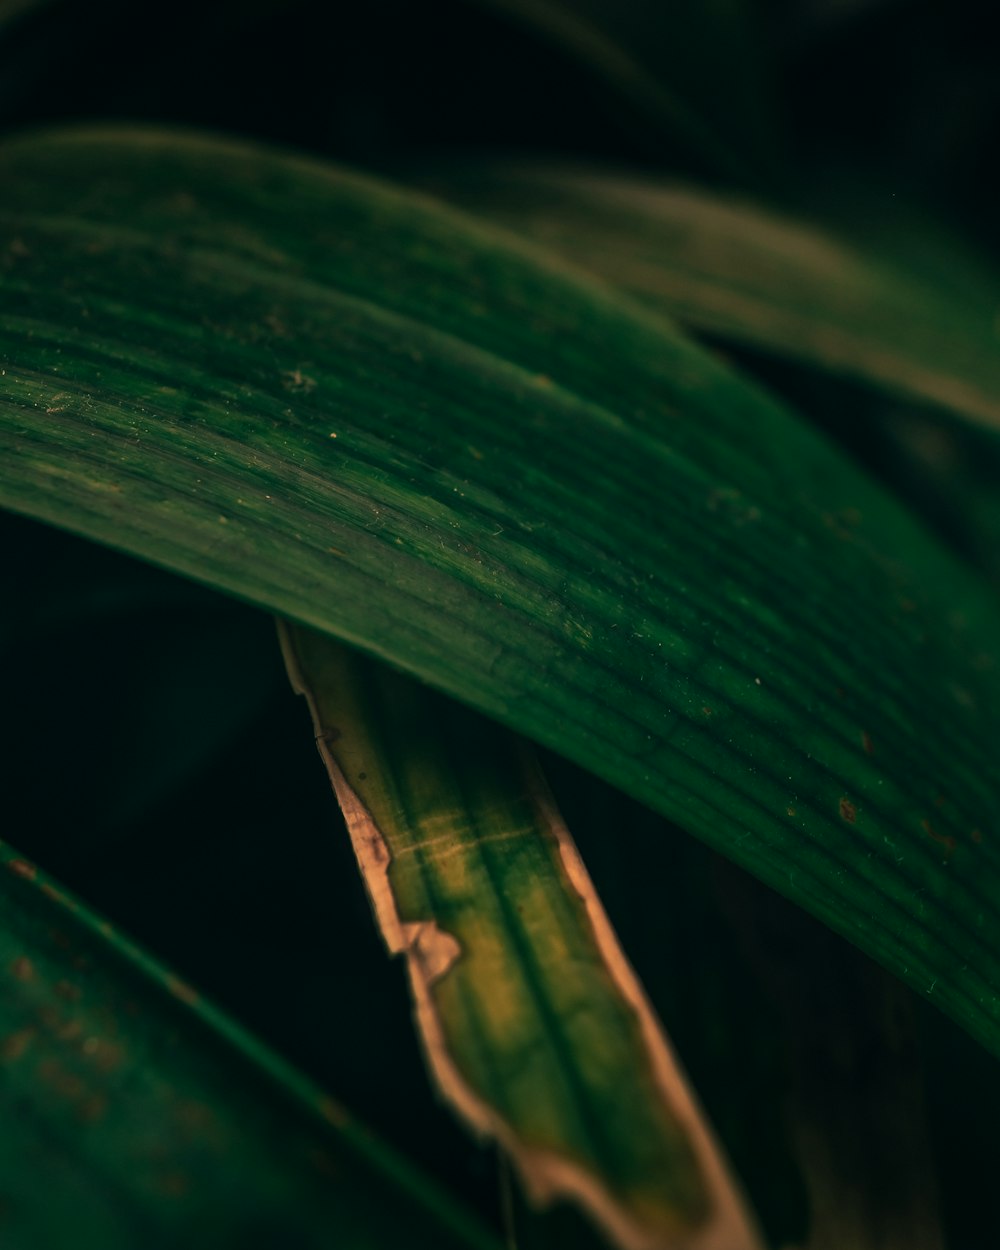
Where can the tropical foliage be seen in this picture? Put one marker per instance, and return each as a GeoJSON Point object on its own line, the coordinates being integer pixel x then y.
{"type": "Point", "coordinates": [611, 424]}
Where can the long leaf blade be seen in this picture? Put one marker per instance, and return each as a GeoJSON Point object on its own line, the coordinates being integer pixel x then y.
{"type": "Point", "coordinates": [381, 419]}
{"type": "Point", "coordinates": [135, 1113]}
{"type": "Point", "coordinates": [534, 1025]}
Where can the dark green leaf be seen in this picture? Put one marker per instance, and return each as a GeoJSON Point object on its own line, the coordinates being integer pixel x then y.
{"type": "Point", "coordinates": [379, 418]}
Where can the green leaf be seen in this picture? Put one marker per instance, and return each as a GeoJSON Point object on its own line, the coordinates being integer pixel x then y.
{"type": "Point", "coordinates": [374, 416]}
{"type": "Point", "coordinates": [745, 273]}
{"type": "Point", "coordinates": [136, 1114]}
{"type": "Point", "coordinates": [535, 1027]}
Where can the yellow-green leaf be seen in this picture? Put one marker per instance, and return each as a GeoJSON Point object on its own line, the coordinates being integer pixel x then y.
{"type": "Point", "coordinates": [535, 1027]}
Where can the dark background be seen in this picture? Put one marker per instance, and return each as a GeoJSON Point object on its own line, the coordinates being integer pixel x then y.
{"type": "Point", "coordinates": [153, 756]}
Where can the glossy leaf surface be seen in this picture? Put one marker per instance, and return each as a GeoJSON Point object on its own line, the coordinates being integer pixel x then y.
{"type": "Point", "coordinates": [377, 417]}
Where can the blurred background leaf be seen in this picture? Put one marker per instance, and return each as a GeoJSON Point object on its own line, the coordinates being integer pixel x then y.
{"type": "Point", "coordinates": [901, 339]}
{"type": "Point", "coordinates": [745, 275]}
{"type": "Point", "coordinates": [135, 1113]}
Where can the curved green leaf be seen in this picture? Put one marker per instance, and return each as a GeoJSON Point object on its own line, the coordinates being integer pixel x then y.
{"type": "Point", "coordinates": [377, 417]}
{"type": "Point", "coordinates": [136, 1114]}
{"type": "Point", "coordinates": [753, 276]}
{"type": "Point", "coordinates": [535, 1027]}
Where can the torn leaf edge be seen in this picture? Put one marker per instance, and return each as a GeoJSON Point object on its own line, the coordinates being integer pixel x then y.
{"type": "Point", "coordinates": [430, 953]}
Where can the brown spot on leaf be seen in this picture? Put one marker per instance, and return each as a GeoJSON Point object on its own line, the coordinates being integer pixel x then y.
{"type": "Point", "coordinates": [174, 1184]}
{"type": "Point", "coordinates": [977, 836]}
{"type": "Point", "coordinates": [21, 868]}
{"type": "Point", "coordinates": [92, 1108]}
{"type": "Point", "coordinates": [866, 742]}
{"type": "Point", "coordinates": [61, 1081]}
{"type": "Point", "coordinates": [14, 1046]}
{"type": "Point", "coordinates": [732, 504]}
{"type": "Point", "coordinates": [180, 989]}
{"type": "Point", "coordinates": [57, 896]}
{"type": "Point", "coordinates": [104, 1054]}
{"type": "Point", "coordinates": [49, 1018]}
{"type": "Point", "coordinates": [195, 1116]}
{"type": "Point", "coordinates": [333, 1112]}
{"type": "Point", "coordinates": [943, 839]}
{"type": "Point", "coordinates": [276, 325]}
{"type": "Point", "coordinates": [295, 380]}
{"type": "Point", "coordinates": [69, 1030]}
{"type": "Point", "coordinates": [67, 990]}
{"type": "Point", "coordinates": [706, 711]}
{"type": "Point", "coordinates": [848, 811]}
{"type": "Point", "coordinates": [180, 203]}
{"type": "Point", "coordinates": [835, 524]}
{"type": "Point", "coordinates": [87, 1104]}
{"type": "Point", "coordinates": [22, 969]}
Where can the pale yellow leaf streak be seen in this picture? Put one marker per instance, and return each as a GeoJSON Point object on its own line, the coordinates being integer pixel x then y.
{"type": "Point", "coordinates": [430, 953]}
